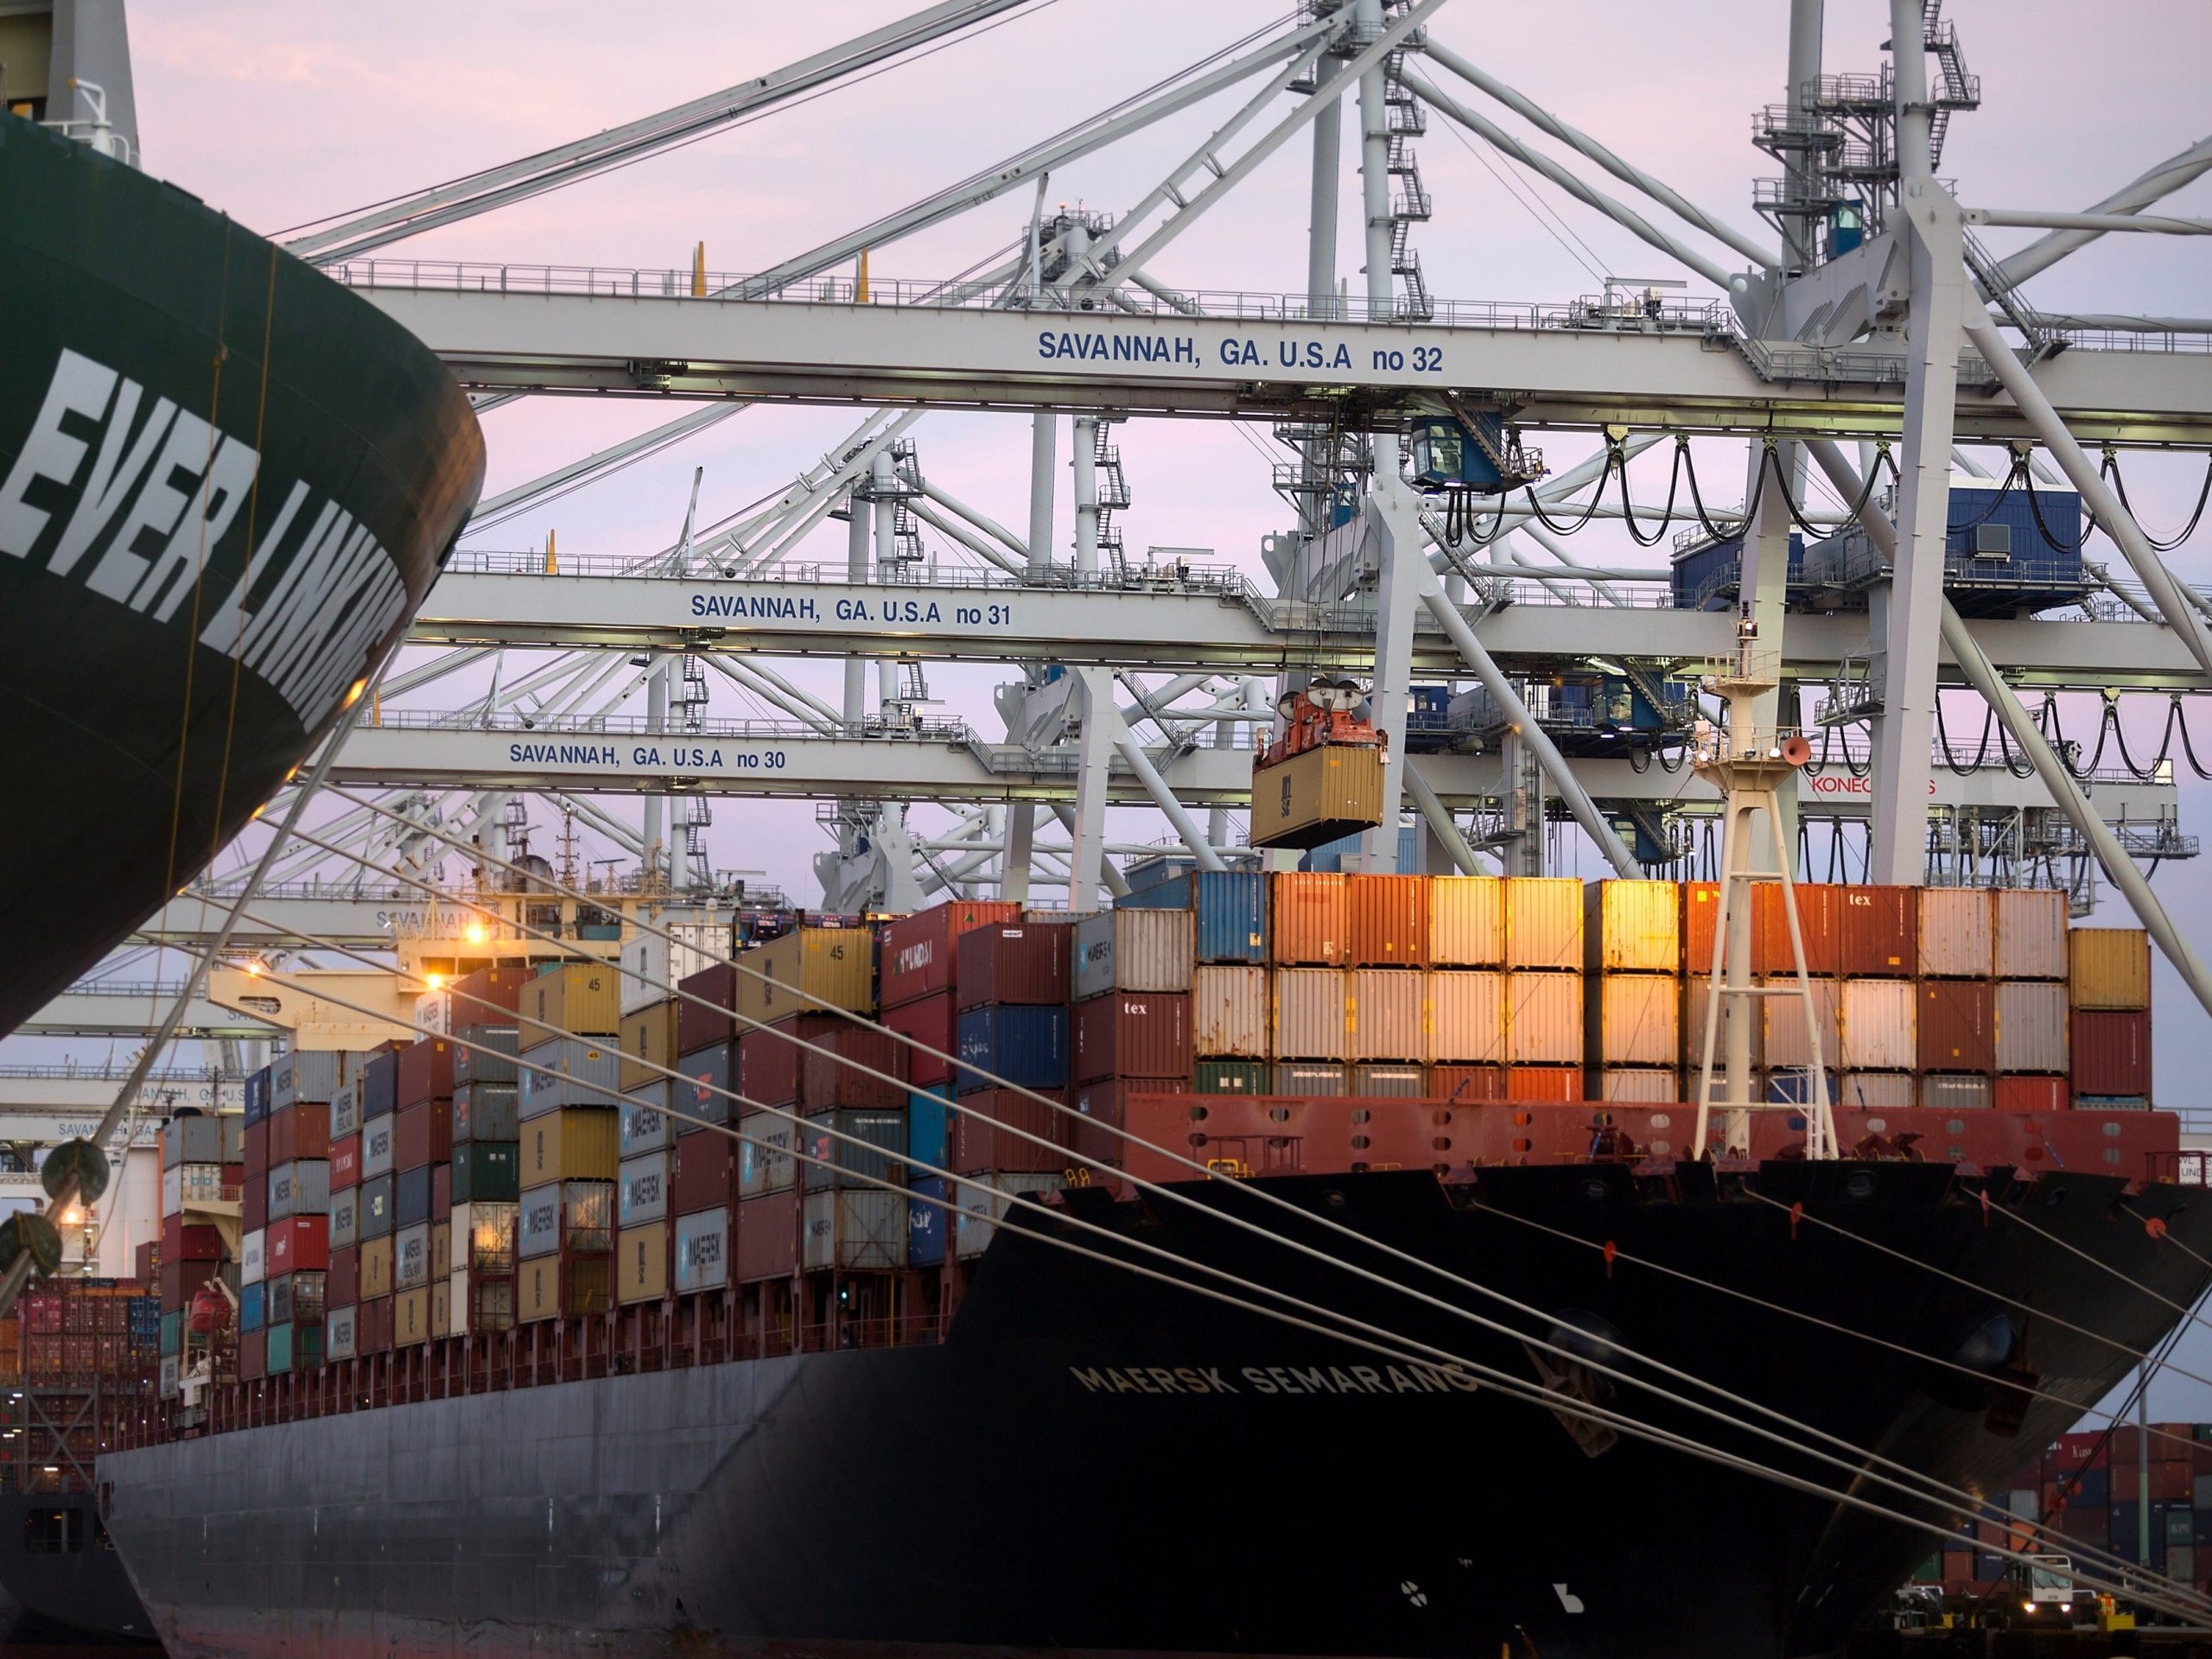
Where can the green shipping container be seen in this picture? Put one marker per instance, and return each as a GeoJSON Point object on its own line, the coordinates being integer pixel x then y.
{"type": "Point", "coordinates": [487, 1172]}
{"type": "Point", "coordinates": [1230, 1077]}
{"type": "Point", "coordinates": [172, 1333]}
{"type": "Point", "coordinates": [295, 1345]}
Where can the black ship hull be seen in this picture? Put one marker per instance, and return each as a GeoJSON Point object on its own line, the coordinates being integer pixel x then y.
{"type": "Point", "coordinates": [1095, 1463]}
{"type": "Point", "coordinates": [225, 484]}
{"type": "Point", "coordinates": [62, 1585]}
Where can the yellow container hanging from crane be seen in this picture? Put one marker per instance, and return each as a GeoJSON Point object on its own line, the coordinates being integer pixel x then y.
{"type": "Point", "coordinates": [1322, 780]}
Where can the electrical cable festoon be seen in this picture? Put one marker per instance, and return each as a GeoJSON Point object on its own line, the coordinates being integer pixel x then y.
{"type": "Point", "coordinates": [1201, 1169]}
{"type": "Point", "coordinates": [1346, 1327]}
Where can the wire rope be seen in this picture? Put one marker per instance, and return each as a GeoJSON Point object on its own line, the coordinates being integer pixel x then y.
{"type": "Point", "coordinates": [2110, 468]}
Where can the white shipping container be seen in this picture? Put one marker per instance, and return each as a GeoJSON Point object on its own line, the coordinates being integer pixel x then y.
{"type": "Point", "coordinates": [983, 1201]}
{"type": "Point", "coordinates": [1383, 1015]}
{"type": "Point", "coordinates": [346, 1111]}
{"type": "Point", "coordinates": [345, 1218]}
{"type": "Point", "coordinates": [538, 1227]}
{"type": "Point", "coordinates": [434, 1013]}
{"type": "Point", "coordinates": [1635, 1018]}
{"type": "Point", "coordinates": [173, 1190]}
{"type": "Point", "coordinates": [2031, 926]}
{"type": "Point", "coordinates": [171, 1368]}
{"type": "Point", "coordinates": [379, 1146]}
{"type": "Point", "coordinates": [1732, 1009]}
{"type": "Point", "coordinates": [1543, 922]}
{"type": "Point", "coordinates": [338, 1332]}
{"type": "Point", "coordinates": [1875, 1091]}
{"type": "Point", "coordinates": [856, 1229]}
{"type": "Point", "coordinates": [1944, 1092]}
{"type": "Point", "coordinates": [2031, 1025]}
{"type": "Point", "coordinates": [764, 1164]}
{"type": "Point", "coordinates": [1229, 1012]}
{"type": "Point", "coordinates": [1466, 1015]}
{"type": "Point", "coordinates": [1640, 1085]}
{"type": "Point", "coordinates": [252, 1253]}
{"type": "Point", "coordinates": [1881, 1023]}
{"type": "Point", "coordinates": [1957, 933]}
{"type": "Point", "coordinates": [1544, 1014]}
{"type": "Point", "coordinates": [1309, 1014]}
{"type": "Point", "coordinates": [1132, 951]}
{"type": "Point", "coordinates": [1466, 921]}
{"type": "Point", "coordinates": [702, 1252]}
{"type": "Point", "coordinates": [646, 1128]}
{"type": "Point", "coordinates": [698, 946]}
{"type": "Point", "coordinates": [200, 1183]}
{"type": "Point", "coordinates": [1786, 1041]}
{"type": "Point", "coordinates": [641, 1189]}
{"type": "Point", "coordinates": [410, 1257]}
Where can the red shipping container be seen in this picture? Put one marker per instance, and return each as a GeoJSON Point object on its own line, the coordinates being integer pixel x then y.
{"type": "Point", "coordinates": [920, 956]}
{"type": "Point", "coordinates": [702, 1027]}
{"type": "Point", "coordinates": [2031, 1095]}
{"type": "Point", "coordinates": [825, 1081]}
{"type": "Point", "coordinates": [1133, 1034]}
{"type": "Point", "coordinates": [180, 1280]}
{"type": "Point", "coordinates": [2087, 1451]}
{"type": "Point", "coordinates": [768, 1062]}
{"type": "Point", "coordinates": [981, 1147]}
{"type": "Point", "coordinates": [1390, 921]}
{"type": "Point", "coordinates": [705, 1174]}
{"type": "Point", "coordinates": [1958, 1025]}
{"type": "Point", "coordinates": [1541, 1083]}
{"type": "Point", "coordinates": [300, 1131]}
{"type": "Point", "coordinates": [253, 1355]}
{"type": "Point", "coordinates": [1096, 1134]}
{"type": "Point", "coordinates": [442, 1191]}
{"type": "Point", "coordinates": [2112, 1053]}
{"type": "Point", "coordinates": [344, 1162]}
{"type": "Point", "coordinates": [257, 1148]}
{"type": "Point", "coordinates": [145, 1261]}
{"type": "Point", "coordinates": [2172, 1480]}
{"type": "Point", "coordinates": [767, 1237]}
{"type": "Point", "coordinates": [1881, 931]}
{"type": "Point", "coordinates": [1819, 918]}
{"type": "Point", "coordinates": [1463, 1085]}
{"type": "Point", "coordinates": [253, 1204]}
{"type": "Point", "coordinates": [490, 996]}
{"type": "Point", "coordinates": [196, 1243]}
{"type": "Point", "coordinates": [343, 1287]}
{"type": "Point", "coordinates": [425, 1073]}
{"type": "Point", "coordinates": [422, 1135]}
{"type": "Point", "coordinates": [373, 1327]}
{"type": "Point", "coordinates": [1023, 962]}
{"type": "Point", "coordinates": [929, 1020]}
{"type": "Point", "coordinates": [297, 1244]}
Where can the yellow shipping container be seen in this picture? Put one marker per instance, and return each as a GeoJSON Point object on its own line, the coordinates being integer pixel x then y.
{"type": "Point", "coordinates": [806, 970]}
{"type": "Point", "coordinates": [441, 1250]}
{"type": "Point", "coordinates": [1543, 923]}
{"type": "Point", "coordinates": [411, 1318]}
{"type": "Point", "coordinates": [1544, 1017]}
{"type": "Point", "coordinates": [550, 1286]}
{"type": "Point", "coordinates": [582, 1143]}
{"type": "Point", "coordinates": [641, 1264]}
{"type": "Point", "coordinates": [1317, 796]}
{"type": "Point", "coordinates": [2109, 968]}
{"type": "Point", "coordinates": [648, 1034]}
{"type": "Point", "coordinates": [582, 997]}
{"type": "Point", "coordinates": [441, 1307]}
{"type": "Point", "coordinates": [1465, 1015]}
{"type": "Point", "coordinates": [375, 1267]}
{"type": "Point", "coordinates": [1631, 927]}
{"type": "Point", "coordinates": [1632, 1019]}
{"type": "Point", "coordinates": [1466, 921]}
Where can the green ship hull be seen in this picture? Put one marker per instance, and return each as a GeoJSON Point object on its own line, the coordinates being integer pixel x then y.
{"type": "Point", "coordinates": [225, 484]}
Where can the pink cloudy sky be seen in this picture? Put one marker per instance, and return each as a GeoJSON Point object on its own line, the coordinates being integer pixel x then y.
{"type": "Point", "coordinates": [284, 114]}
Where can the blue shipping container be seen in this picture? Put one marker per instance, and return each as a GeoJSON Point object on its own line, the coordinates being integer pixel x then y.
{"type": "Point", "coordinates": [1026, 1046]}
{"type": "Point", "coordinates": [925, 1223]}
{"type": "Point", "coordinates": [1793, 1086]}
{"type": "Point", "coordinates": [257, 1096]}
{"type": "Point", "coordinates": [253, 1302]}
{"type": "Point", "coordinates": [926, 1121]}
{"type": "Point", "coordinates": [1329, 858]}
{"type": "Point", "coordinates": [2092, 1491]}
{"type": "Point", "coordinates": [1231, 906]}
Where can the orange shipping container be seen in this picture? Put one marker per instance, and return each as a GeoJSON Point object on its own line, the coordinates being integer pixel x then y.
{"type": "Point", "coordinates": [1633, 1019]}
{"type": "Point", "coordinates": [2109, 968]}
{"type": "Point", "coordinates": [1820, 923]}
{"type": "Point", "coordinates": [1700, 904]}
{"type": "Point", "coordinates": [1466, 1017]}
{"type": "Point", "coordinates": [1543, 1019]}
{"type": "Point", "coordinates": [1310, 920]}
{"type": "Point", "coordinates": [1543, 923]}
{"type": "Point", "coordinates": [1382, 1013]}
{"type": "Point", "coordinates": [1389, 920]}
{"type": "Point", "coordinates": [1466, 921]}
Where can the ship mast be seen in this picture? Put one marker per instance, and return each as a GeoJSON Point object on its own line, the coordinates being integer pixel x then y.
{"type": "Point", "coordinates": [1747, 763]}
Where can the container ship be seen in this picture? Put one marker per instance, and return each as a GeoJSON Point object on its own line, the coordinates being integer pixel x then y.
{"type": "Point", "coordinates": [225, 484]}
{"type": "Point", "coordinates": [531, 1357]}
